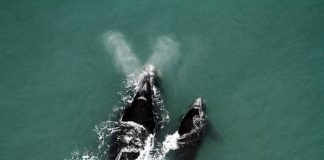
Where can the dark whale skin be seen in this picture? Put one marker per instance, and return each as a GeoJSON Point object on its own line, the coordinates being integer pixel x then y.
{"type": "Point", "coordinates": [191, 130]}
{"type": "Point", "coordinates": [139, 111]}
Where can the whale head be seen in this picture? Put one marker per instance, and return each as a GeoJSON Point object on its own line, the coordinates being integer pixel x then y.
{"type": "Point", "coordinates": [199, 104]}
{"type": "Point", "coordinates": [191, 130]}
{"type": "Point", "coordinates": [199, 117]}
{"type": "Point", "coordinates": [150, 69]}
{"type": "Point", "coordinates": [146, 81]}
{"type": "Point", "coordinates": [194, 120]}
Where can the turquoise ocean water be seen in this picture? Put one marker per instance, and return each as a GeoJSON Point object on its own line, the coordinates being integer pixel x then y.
{"type": "Point", "coordinates": [258, 64]}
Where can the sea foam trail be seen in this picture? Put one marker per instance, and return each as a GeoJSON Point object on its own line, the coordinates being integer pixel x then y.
{"type": "Point", "coordinates": [170, 143]}
{"type": "Point", "coordinates": [106, 130]}
{"type": "Point", "coordinates": [165, 51]}
{"type": "Point", "coordinates": [124, 58]}
{"type": "Point", "coordinates": [82, 155]}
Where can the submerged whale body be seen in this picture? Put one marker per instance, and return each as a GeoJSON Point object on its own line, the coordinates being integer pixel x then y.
{"type": "Point", "coordinates": [191, 130]}
{"type": "Point", "coordinates": [137, 124]}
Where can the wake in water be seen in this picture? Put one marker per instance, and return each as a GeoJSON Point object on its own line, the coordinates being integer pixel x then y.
{"type": "Point", "coordinates": [134, 137]}
{"type": "Point", "coordinates": [122, 136]}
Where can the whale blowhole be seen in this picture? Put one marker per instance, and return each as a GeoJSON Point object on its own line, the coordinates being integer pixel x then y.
{"type": "Point", "coordinates": [150, 69]}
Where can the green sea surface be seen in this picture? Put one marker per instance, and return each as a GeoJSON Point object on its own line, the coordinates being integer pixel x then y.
{"type": "Point", "coordinates": [258, 64]}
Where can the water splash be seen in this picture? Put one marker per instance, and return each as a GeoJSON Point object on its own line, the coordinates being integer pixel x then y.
{"type": "Point", "coordinates": [165, 52]}
{"type": "Point", "coordinates": [106, 130]}
{"type": "Point", "coordinates": [124, 58]}
{"type": "Point", "coordinates": [170, 143]}
{"type": "Point", "coordinates": [83, 155]}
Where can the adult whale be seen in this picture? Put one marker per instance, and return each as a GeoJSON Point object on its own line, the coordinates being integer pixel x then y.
{"type": "Point", "coordinates": [137, 124]}
{"type": "Point", "coordinates": [191, 130]}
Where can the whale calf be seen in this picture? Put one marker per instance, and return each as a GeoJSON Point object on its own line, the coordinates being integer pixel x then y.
{"type": "Point", "coordinates": [137, 124]}
{"type": "Point", "coordinates": [191, 130]}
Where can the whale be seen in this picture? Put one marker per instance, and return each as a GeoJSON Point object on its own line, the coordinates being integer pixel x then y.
{"type": "Point", "coordinates": [191, 129]}
{"type": "Point", "coordinates": [137, 125]}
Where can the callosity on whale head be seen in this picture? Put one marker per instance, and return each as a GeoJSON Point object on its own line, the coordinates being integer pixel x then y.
{"type": "Point", "coordinates": [137, 124]}
{"type": "Point", "coordinates": [140, 110]}
{"type": "Point", "coordinates": [199, 104]}
{"type": "Point", "coordinates": [149, 68]}
{"type": "Point", "coordinates": [146, 82]}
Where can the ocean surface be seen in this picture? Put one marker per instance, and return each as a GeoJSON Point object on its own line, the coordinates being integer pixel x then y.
{"type": "Point", "coordinates": [258, 64]}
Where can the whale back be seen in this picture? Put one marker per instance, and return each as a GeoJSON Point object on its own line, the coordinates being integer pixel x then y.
{"type": "Point", "coordinates": [136, 125]}
{"type": "Point", "coordinates": [140, 112]}
{"type": "Point", "coordinates": [191, 130]}
{"type": "Point", "coordinates": [187, 124]}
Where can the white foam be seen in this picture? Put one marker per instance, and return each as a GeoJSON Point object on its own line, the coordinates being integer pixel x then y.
{"type": "Point", "coordinates": [170, 143]}
{"type": "Point", "coordinates": [108, 128]}
{"type": "Point", "coordinates": [149, 145]}
{"type": "Point", "coordinates": [82, 155]}
{"type": "Point", "coordinates": [165, 51]}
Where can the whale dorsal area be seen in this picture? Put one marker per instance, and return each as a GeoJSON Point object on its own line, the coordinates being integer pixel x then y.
{"type": "Point", "coordinates": [140, 111]}
{"type": "Point", "coordinates": [186, 124]}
